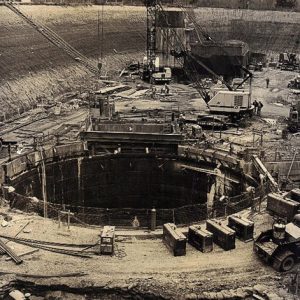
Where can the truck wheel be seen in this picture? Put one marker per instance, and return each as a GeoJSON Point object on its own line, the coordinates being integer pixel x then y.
{"type": "Point", "coordinates": [288, 263]}
{"type": "Point", "coordinates": [284, 261]}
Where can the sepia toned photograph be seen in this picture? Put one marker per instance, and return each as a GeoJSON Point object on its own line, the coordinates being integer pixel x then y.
{"type": "Point", "coordinates": [149, 149]}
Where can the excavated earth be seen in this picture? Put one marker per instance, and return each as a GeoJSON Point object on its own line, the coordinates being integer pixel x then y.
{"type": "Point", "coordinates": [142, 268]}
{"type": "Point", "coordinates": [31, 68]}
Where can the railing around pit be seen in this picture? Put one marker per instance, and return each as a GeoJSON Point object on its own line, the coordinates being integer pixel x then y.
{"type": "Point", "coordinates": [123, 217]}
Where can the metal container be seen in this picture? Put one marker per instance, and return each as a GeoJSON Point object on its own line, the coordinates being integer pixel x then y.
{"type": "Point", "coordinates": [282, 207]}
{"type": "Point", "coordinates": [153, 219]}
{"type": "Point", "coordinates": [174, 239]}
{"type": "Point", "coordinates": [223, 236]}
{"type": "Point", "coordinates": [107, 240]}
{"type": "Point", "coordinates": [200, 238]}
{"type": "Point", "coordinates": [243, 227]}
{"type": "Point", "coordinates": [279, 231]}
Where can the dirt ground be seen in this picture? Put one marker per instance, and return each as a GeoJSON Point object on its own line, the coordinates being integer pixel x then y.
{"type": "Point", "coordinates": [142, 267]}
{"type": "Point", "coordinates": [137, 270]}
{"type": "Point", "coordinates": [141, 263]}
{"type": "Point", "coordinates": [277, 100]}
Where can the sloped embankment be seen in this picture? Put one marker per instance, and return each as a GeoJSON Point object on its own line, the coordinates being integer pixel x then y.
{"type": "Point", "coordinates": [31, 67]}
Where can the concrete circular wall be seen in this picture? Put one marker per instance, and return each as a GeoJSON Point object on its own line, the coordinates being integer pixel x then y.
{"type": "Point", "coordinates": [120, 186]}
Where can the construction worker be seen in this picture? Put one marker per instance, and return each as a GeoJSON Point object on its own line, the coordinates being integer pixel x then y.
{"type": "Point", "coordinates": [267, 81]}
{"type": "Point", "coordinates": [251, 192]}
{"type": "Point", "coordinates": [153, 92]}
{"type": "Point", "coordinates": [135, 223]}
{"type": "Point", "coordinates": [259, 107]}
{"type": "Point", "coordinates": [181, 121]}
{"type": "Point", "coordinates": [255, 104]}
{"type": "Point", "coordinates": [167, 89]}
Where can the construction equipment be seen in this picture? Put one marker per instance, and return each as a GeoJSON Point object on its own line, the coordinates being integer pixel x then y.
{"type": "Point", "coordinates": [295, 83]}
{"type": "Point", "coordinates": [107, 240]}
{"type": "Point", "coordinates": [236, 100]}
{"type": "Point", "coordinates": [280, 246]}
{"type": "Point", "coordinates": [294, 118]}
{"type": "Point", "coordinates": [288, 61]}
{"type": "Point", "coordinates": [233, 101]}
{"type": "Point", "coordinates": [163, 75]}
{"type": "Point", "coordinates": [151, 70]}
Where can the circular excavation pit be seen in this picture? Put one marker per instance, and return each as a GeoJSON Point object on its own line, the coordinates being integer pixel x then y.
{"type": "Point", "coordinates": [113, 189]}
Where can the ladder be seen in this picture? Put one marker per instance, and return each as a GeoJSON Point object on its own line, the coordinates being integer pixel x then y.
{"type": "Point", "coordinates": [56, 40]}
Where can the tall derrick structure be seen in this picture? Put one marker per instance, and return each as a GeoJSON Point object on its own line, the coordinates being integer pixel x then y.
{"type": "Point", "coordinates": [165, 35]}
{"type": "Point", "coordinates": [171, 28]}
{"type": "Point", "coordinates": [150, 61]}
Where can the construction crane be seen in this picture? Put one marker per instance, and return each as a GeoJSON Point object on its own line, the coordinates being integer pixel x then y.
{"type": "Point", "coordinates": [233, 101]}
{"type": "Point", "coordinates": [151, 63]}
{"type": "Point", "coordinates": [56, 40]}
{"type": "Point", "coordinates": [151, 67]}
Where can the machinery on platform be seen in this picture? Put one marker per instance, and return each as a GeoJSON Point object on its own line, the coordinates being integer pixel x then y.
{"type": "Point", "coordinates": [288, 61]}
{"type": "Point", "coordinates": [162, 75]}
{"type": "Point", "coordinates": [280, 246]}
{"type": "Point", "coordinates": [151, 70]}
{"type": "Point", "coordinates": [233, 101]}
